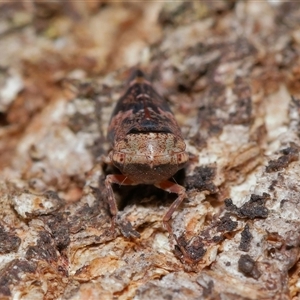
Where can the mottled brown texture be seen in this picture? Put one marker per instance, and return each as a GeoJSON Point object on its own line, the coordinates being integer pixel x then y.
{"type": "Point", "coordinates": [60, 230]}
{"type": "Point", "coordinates": [229, 70]}
{"type": "Point", "coordinates": [248, 266]}
{"type": "Point", "coordinates": [202, 179]}
{"type": "Point", "coordinates": [246, 238]}
{"type": "Point", "coordinates": [226, 224]}
{"type": "Point", "coordinates": [141, 110]}
{"type": "Point", "coordinates": [290, 154]}
{"type": "Point", "coordinates": [254, 208]}
{"type": "Point", "coordinates": [9, 242]}
{"type": "Point", "coordinates": [12, 273]}
{"type": "Point", "coordinates": [147, 147]}
{"type": "Point", "coordinates": [43, 250]}
{"type": "Point", "coordinates": [195, 249]}
{"type": "Point", "coordinates": [145, 135]}
{"type": "Point", "coordinates": [149, 157]}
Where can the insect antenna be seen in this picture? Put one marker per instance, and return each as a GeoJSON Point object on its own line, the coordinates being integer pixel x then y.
{"type": "Point", "coordinates": [174, 180]}
{"type": "Point", "coordinates": [123, 181]}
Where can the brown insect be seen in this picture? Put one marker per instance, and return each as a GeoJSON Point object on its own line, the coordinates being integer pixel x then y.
{"type": "Point", "coordinates": [147, 146]}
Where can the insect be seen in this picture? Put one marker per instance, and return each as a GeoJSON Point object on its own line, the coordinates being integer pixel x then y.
{"type": "Point", "coordinates": [147, 146]}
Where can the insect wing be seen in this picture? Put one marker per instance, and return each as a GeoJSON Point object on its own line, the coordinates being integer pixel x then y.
{"type": "Point", "coordinates": [141, 110]}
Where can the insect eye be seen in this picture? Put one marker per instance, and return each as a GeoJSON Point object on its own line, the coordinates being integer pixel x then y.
{"type": "Point", "coordinates": [119, 158]}
{"type": "Point", "coordinates": [182, 158]}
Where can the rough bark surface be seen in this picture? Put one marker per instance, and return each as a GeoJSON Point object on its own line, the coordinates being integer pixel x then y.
{"type": "Point", "coordinates": [230, 71]}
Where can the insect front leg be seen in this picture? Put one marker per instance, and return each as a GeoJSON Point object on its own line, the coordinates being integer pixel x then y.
{"type": "Point", "coordinates": [172, 187]}
{"type": "Point", "coordinates": [120, 179]}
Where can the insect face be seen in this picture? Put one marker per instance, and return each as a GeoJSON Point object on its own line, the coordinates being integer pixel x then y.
{"type": "Point", "coordinates": [149, 157]}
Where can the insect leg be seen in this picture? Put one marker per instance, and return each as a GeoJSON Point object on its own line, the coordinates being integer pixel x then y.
{"type": "Point", "coordinates": [120, 179]}
{"type": "Point", "coordinates": [172, 187]}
